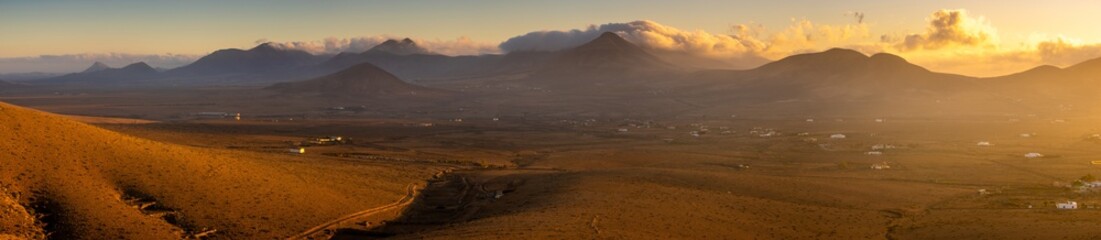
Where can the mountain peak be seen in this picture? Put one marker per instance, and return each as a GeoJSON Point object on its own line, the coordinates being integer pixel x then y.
{"type": "Point", "coordinates": [888, 58]}
{"type": "Point", "coordinates": [361, 79]}
{"type": "Point", "coordinates": [844, 52]}
{"type": "Point", "coordinates": [268, 46]}
{"type": "Point", "coordinates": [404, 47]}
{"type": "Point", "coordinates": [608, 39]}
{"type": "Point", "coordinates": [139, 66]}
{"type": "Point", "coordinates": [97, 66]}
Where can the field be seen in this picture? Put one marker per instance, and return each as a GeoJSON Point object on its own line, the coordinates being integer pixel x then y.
{"type": "Point", "coordinates": [549, 177]}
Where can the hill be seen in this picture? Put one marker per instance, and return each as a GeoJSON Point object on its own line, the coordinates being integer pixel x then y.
{"type": "Point", "coordinates": [608, 64]}
{"type": "Point", "coordinates": [263, 58]}
{"type": "Point", "coordinates": [97, 66]}
{"type": "Point", "coordinates": [364, 79]}
{"type": "Point", "coordinates": [409, 61]}
{"type": "Point", "coordinates": [1057, 81]}
{"type": "Point", "coordinates": [835, 73]}
{"type": "Point", "coordinates": [75, 181]}
{"type": "Point", "coordinates": [607, 53]}
{"type": "Point", "coordinates": [404, 47]}
{"type": "Point", "coordinates": [262, 65]}
{"type": "Point", "coordinates": [129, 74]}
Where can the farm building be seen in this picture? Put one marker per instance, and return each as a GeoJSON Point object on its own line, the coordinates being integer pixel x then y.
{"type": "Point", "coordinates": [1067, 205]}
{"type": "Point", "coordinates": [881, 166]}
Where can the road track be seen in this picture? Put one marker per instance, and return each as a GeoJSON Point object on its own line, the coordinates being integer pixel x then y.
{"type": "Point", "coordinates": [410, 194]}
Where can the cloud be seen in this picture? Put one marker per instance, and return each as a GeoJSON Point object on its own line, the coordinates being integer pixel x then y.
{"type": "Point", "coordinates": [333, 45]}
{"type": "Point", "coordinates": [948, 28]}
{"type": "Point", "coordinates": [1062, 51]}
{"type": "Point", "coordinates": [645, 33]}
{"type": "Point", "coordinates": [78, 62]}
{"type": "Point", "coordinates": [750, 42]}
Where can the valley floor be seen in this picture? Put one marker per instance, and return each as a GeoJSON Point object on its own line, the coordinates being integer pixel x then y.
{"type": "Point", "coordinates": [742, 178]}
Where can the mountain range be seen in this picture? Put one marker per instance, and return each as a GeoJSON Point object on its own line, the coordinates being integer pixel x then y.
{"type": "Point", "coordinates": [99, 74]}
{"type": "Point", "coordinates": [608, 64]}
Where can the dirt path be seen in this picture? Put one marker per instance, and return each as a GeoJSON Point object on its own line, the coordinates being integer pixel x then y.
{"type": "Point", "coordinates": [410, 194]}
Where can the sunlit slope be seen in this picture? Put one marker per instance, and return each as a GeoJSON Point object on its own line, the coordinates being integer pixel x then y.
{"type": "Point", "coordinates": [91, 182]}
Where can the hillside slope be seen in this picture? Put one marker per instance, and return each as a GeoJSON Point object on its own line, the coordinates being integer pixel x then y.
{"type": "Point", "coordinates": [89, 183]}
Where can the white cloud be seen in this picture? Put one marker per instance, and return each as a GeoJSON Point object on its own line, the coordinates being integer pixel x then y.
{"type": "Point", "coordinates": [745, 42]}
{"type": "Point", "coordinates": [333, 45]}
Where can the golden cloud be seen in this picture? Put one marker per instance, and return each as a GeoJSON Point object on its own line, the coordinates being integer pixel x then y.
{"type": "Point", "coordinates": [947, 28]}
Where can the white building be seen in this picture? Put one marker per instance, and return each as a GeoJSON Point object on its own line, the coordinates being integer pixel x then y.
{"type": "Point", "coordinates": [875, 153]}
{"type": "Point", "coordinates": [1067, 205]}
{"type": "Point", "coordinates": [880, 166]}
{"type": "Point", "coordinates": [838, 136]}
{"type": "Point", "coordinates": [300, 150]}
{"type": "Point", "coordinates": [985, 144]}
{"type": "Point", "coordinates": [1034, 155]}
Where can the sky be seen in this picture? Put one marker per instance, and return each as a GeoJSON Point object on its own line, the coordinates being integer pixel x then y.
{"type": "Point", "coordinates": [982, 38]}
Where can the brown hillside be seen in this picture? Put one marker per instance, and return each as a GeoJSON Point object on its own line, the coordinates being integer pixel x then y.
{"type": "Point", "coordinates": [84, 182]}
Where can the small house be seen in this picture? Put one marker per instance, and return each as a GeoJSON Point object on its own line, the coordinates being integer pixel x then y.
{"type": "Point", "coordinates": [1067, 205]}
{"type": "Point", "coordinates": [984, 144]}
{"type": "Point", "coordinates": [838, 136]}
{"type": "Point", "coordinates": [881, 166]}
{"type": "Point", "coordinates": [1034, 155]}
{"type": "Point", "coordinates": [300, 150]}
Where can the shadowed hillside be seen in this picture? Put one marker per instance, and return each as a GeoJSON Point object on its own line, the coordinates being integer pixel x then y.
{"type": "Point", "coordinates": [75, 181]}
{"type": "Point", "coordinates": [364, 79]}
{"type": "Point", "coordinates": [100, 75]}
